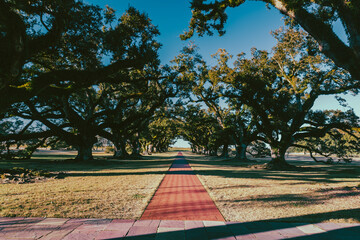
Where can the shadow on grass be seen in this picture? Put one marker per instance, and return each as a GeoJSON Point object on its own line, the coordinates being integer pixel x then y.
{"type": "Point", "coordinates": [64, 163]}
{"type": "Point", "coordinates": [287, 200]}
{"type": "Point", "coordinates": [307, 172]}
{"type": "Point", "coordinates": [212, 166]}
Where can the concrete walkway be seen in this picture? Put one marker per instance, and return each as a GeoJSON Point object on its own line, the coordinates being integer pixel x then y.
{"type": "Point", "coordinates": [77, 229]}
{"type": "Point", "coordinates": [181, 196]}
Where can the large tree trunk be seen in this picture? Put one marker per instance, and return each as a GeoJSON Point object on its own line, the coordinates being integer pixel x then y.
{"type": "Point", "coordinates": [278, 161]}
{"type": "Point", "coordinates": [241, 152]}
{"type": "Point", "coordinates": [206, 151]}
{"type": "Point", "coordinates": [135, 149]}
{"type": "Point", "coordinates": [84, 152]}
{"type": "Point", "coordinates": [193, 149]}
{"type": "Point", "coordinates": [213, 152]}
{"type": "Point", "coordinates": [120, 151]}
{"type": "Point", "coordinates": [225, 151]}
{"type": "Point", "coordinates": [84, 147]}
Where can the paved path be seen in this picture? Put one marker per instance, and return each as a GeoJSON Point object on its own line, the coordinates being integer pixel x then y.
{"type": "Point", "coordinates": [78, 229]}
{"type": "Point", "coordinates": [181, 196]}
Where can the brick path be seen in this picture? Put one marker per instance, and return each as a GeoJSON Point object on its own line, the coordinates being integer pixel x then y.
{"type": "Point", "coordinates": [181, 196]}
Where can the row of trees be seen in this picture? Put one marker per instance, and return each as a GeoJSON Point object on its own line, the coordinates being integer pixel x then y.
{"type": "Point", "coordinates": [318, 19]}
{"type": "Point", "coordinates": [74, 72]}
{"type": "Point", "coordinates": [268, 97]}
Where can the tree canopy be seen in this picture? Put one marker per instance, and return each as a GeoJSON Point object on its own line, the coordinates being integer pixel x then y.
{"type": "Point", "coordinates": [317, 17]}
{"type": "Point", "coordinates": [54, 47]}
{"type": "Point", "coordinates": [270, 95]}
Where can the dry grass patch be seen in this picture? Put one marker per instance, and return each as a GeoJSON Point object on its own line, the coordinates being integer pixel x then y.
{"type": "Point", "coordinates": [320, 193]}
{"type": "Point", "coordinates": [104, 189]}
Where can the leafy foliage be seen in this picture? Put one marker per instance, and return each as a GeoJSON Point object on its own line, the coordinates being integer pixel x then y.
{"type": "Point", "coordinates": [317, 17]}
{"type": "Point", "coordinates": [55, 48]}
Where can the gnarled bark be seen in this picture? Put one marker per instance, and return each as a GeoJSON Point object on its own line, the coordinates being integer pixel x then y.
{"type": "Point", "coordinates": [241, 152]}
{"type": "Point", "coordinates": [278, 161]}
{"type": "Point", "coordinates": [84, 147]}
{"type": "Point", "coordinates": [119, 150]}
{"type": "Point", "coordinates": [135, 149]}
{"type": "Point", "coordinates": [225, 151]}
{"type": "Point", "coordinates": [84, 152]}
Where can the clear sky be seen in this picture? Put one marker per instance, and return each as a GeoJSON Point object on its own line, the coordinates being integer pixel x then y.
{"type": "Point", "coordinates": [248, 26]}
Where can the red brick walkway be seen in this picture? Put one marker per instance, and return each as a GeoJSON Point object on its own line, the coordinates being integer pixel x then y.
{"type": "Point", "coordinates": [181, 196]}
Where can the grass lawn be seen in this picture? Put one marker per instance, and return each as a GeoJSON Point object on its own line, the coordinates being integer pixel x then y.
{"type": "Point", "coordinates": [105, 189]}
{"type": "Point", "coordinates": [321, 193]}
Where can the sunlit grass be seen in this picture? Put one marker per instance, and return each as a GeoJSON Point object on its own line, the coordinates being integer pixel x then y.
{"type": "Point", "coordinates": [244, 193]}
{"type": "Point", "coordinates": [104, 189]}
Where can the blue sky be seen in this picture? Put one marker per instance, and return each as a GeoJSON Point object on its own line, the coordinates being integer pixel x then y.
{"type": "Point", "coordinates": [248, 26]}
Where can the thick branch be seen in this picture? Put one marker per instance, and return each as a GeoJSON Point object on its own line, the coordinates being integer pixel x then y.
{"type": "Point", "coordinates": [311, 152]}
{"type": "Point", "coordinates": [27, 136]}
{"type": "Point", "coordinates": [321, 132]}
{"type": "Point", "coordinates": [330, 44]}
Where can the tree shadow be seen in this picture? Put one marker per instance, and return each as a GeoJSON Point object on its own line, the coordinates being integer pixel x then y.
{"type": "Point", "coordinates": [211, 166]}
{"type": "Point", "coordinates": [315, 198]}
{"type": "Point", "coordinates": [51, 163]}
{"type": "Point", "coordinates": [306, 172]}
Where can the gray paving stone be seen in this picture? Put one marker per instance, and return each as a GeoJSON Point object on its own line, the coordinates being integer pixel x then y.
{"type": "Point", "coordinates": [269, 235]}
{"type": "Point", "coordinates": [81, 235]}
{"type": "Point", "coordinates": [62, 231]}
{"type": "Point", "coordinates": [328, 226]}
{"type": "Point", "coordinates": [310, 229]}
{"type": "Point", "coordinates": [193, 224]}
{"type": "Point", "coordinates": [287, 229]}
{"type": "Point", "coordinates": [142, 230]}
{"type": "Point", "coordinates": [213, 223]}
{"type": "Point", "coordinates": [34, 231]}
{"type": "Point", "coordinates": [110, 235]}
{"type": "Point", "coordinates": [172, 224]}
{"type": "Point", "coordinates": [120, 225]}
{"type": "Point", "coordinates": [53, 221]}
{"type": "Point", "coordinates": [147, 223]}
